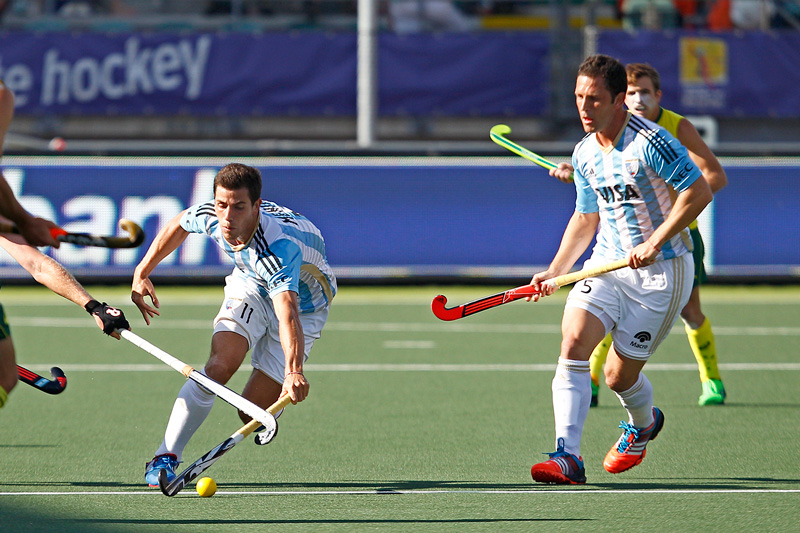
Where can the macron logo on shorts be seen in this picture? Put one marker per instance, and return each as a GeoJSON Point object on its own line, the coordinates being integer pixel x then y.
{"type": "Point", "coordinates": [643, 337]}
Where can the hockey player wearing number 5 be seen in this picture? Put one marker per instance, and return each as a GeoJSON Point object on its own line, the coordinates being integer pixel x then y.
{"type": "Point", "coordinates": [276, 301]}
{"type": "Point", "coordinates": [643, 98]}
{"type": "Point", "coordinates": [625, 170]}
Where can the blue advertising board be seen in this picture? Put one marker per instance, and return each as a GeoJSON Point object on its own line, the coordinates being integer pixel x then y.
{"type": "Point", "coordinates": [484, 217]}
{"type": "Point", "coordinates": [315, 73]}
{"type": "Point", "coordinates": [273, 74]}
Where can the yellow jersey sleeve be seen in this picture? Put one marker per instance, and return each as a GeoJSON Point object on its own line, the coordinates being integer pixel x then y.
{"type": "Point", "coordinates": [669, 120]}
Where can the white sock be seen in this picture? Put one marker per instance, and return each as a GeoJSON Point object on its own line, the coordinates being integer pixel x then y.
{"type": "Point", "coordinates": [191, 408]}
{"type": "Point", "coordinates": [638, 401]}
{"type": "Point", "coordinates": [572, 392]}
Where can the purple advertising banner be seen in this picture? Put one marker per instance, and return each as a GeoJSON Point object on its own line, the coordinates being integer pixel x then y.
{"type": "Point", "coordinates": [274, 74]}
{"type": "Point", "coordinates": [750, 74]}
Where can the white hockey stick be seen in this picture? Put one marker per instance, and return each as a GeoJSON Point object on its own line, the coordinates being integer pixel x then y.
{"type": "Point", "coordinates": [236, 400]}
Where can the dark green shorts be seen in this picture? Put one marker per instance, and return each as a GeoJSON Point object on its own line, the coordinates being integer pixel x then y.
{"type": "Point", "coordinates": [699, 253]}
{"type": "Point", "coordinates": [5, 330]}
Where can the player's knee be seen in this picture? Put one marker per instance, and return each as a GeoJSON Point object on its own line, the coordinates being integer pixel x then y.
{"type": "Point", "coordinates": [219, 370]}
{"type": "Point", "coordinates": [614, 379]}
{"type": "Point", "coordinates": [576, 348]}
{"type": "Point", "coordinates": [619, 381]}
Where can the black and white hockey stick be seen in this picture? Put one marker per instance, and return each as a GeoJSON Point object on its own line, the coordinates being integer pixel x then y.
{"type": "Point", "coordinates": [201, 465]}
{"type": "Point", "coordinates": [50, 386]}
{"type": "Point", "coordinates": [135, 238]}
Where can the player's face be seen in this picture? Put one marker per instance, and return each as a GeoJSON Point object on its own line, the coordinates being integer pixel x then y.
{"type": "Point", "coordinates": [237, 215]}
{"type": "Point", "coordinates": [642, 99]}
{"type": "Point", "coordinates": [596, 107]}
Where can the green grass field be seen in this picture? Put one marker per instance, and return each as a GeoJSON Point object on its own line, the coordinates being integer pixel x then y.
{"type": "Point", "coordinates": [412, 424]}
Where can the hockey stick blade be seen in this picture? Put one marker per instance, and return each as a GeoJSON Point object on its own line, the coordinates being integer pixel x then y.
{"type": "Point", "coordinates": [135, 239]}
{"type": "Point", "coordinates": [191, 472]}
{"type": "Point", "coordinates": [50, 386]}
{"type": "Point", "coordinates": [481, 304]}
{"type": "Point", "coordinates": [197, 468]}
{"type": "Point", "coordinates": [460, 311]}
{"type": "Point", "coordinates": [498, 135]}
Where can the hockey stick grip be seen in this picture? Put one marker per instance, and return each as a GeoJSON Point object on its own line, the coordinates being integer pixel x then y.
{"type": "Point", "coordinates": [572, 277]}
{"type": "Point", "coordinates": [273, 409]}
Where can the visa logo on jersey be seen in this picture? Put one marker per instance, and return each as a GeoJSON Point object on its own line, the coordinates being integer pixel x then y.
{"type": "Point", "coordinates": [617, 193]}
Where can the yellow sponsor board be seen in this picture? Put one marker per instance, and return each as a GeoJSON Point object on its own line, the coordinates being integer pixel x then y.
{"type": "Point", "coordinates": [704, 61]}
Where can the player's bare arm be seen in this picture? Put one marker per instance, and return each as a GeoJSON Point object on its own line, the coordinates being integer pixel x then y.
{"type": "Point", "coordinates": [286, 308]}
{"type": "Point", "coordinates": [6, 111]}
{"type": "Point", "coordinates": [688, 206]}
{"type": "Point", "coordinates": [167, 241]}
{"type": "Point", "coordinates": [35, 230]}
{"type": "Point", "coordinates": [577, 237]}
{"type": "Point", "coordinates": [702, 156]}
{"type": "Point", "coordinates": [49, 272]}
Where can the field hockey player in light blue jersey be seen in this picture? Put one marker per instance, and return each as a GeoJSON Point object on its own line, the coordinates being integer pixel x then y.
{"type": "Point", "coordinates": [626, 168]}
{"type": "Point", "coordinates": [644, 99]}
{"type": "Point", "coordinates": [276, 301]}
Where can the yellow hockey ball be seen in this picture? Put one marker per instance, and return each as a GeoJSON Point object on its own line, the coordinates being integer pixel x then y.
{"type": "Point", "coordinates": [206, 487]}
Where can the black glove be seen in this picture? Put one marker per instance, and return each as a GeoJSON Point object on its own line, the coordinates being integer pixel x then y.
{"type": "Point", "coordinates": [113, 318]}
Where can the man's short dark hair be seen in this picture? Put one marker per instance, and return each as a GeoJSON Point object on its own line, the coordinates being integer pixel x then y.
{"type": "Point", "coordinates": [608, 68]}
{"type": "Point", "coordinates": [237, 176]}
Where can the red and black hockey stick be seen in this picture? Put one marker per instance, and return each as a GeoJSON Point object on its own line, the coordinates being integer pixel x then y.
{"type": "Point", "coordinates": [135, 238]}
{"type": "Point", "coordinates": [50, 386]}
{"type": "Point", "coordinates": [487, 302]}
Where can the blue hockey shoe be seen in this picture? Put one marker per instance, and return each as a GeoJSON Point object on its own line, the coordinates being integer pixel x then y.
{"type": "Point", "coordinates": [168, 462]}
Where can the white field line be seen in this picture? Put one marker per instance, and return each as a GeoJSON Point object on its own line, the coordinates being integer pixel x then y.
{"type": "Point", "coordinates": [46, 299]}
{"type": "Point", "coordinates": [416, 327]}
{"type": "Point", "coordinates": [421, 492]}
{"type": "Point", "coordinates": [409, 345]}
{"type": "Point", "coordinates": [416, 367]}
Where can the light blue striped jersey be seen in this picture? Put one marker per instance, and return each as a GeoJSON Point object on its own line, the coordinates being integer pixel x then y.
{"type": "Point", "coordinates": [629, 186]}
{"type": "Point", "coordinates": [286, 253]}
